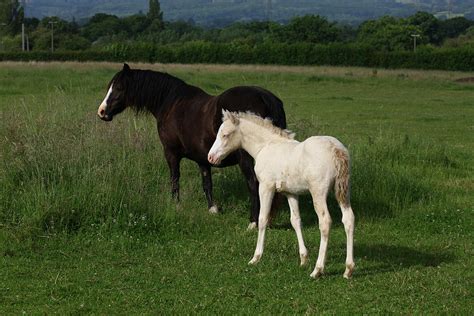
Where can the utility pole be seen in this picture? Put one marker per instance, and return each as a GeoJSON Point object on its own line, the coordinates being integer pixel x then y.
{"type": "Point", "coordinates": [415, 36]}
{"type": "Point", "coordinates": [52, 35]}
{"type": "Point", "coordinates": [268, 9]}
{"type": "Point", "coordinates": [23, 46]}
{"type": "Point", "coordinates": [3, 24]}
{"type": "Point", "coordinates": [450, 9]}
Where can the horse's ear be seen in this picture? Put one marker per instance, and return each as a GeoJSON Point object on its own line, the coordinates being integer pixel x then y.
{"type": "Point", "coordinates": [126, 68]}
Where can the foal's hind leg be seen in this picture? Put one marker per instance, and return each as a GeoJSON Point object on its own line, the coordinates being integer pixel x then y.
{"type": "Point", "coordinates": [207, 187]}
{"type": "Point", "coordinates": [296, 223]}
{"type": "Point", "coordinates": [320, 206]}
{"type": "Point", "coordinates": [348, 221]}
{"type": "Point", "coordinates": [266, 195]}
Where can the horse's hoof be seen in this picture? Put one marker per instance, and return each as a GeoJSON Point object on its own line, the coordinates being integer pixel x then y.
{"type": "Point", "coordinates": [316, 273]}
{"type": "Point", "coordinates": [254, 260]}
{"type": "Point", "coordinates": [252, 226]}
{"type": "Point", "coordinates": [349, 271]}
{"type": "Point", "coordinates": [214, 210]}
{"type": "Point", "coordinates": [304, 259]}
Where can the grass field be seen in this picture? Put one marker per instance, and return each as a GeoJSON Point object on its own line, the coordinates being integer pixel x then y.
{"type": "Point", "coordinates": [87, 224]}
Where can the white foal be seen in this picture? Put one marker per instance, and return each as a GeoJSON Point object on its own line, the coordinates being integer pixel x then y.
{"type": "Point", "coordinates": [285, 165]}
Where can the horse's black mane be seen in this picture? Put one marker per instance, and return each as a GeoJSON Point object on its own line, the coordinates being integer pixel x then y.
{"type": "Point", "coordinates": [151, 90]}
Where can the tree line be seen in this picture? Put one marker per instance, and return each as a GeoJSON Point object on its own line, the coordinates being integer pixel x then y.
{"type": "Point", "coordinates": [149, 31]}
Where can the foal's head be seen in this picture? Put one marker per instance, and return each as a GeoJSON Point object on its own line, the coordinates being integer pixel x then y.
{"type": "Point", "coordinates": [228, 138]}
{"type": "Point", "coordinates": [114, 102]}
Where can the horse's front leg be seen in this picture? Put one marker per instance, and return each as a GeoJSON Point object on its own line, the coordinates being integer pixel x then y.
{"type": "Point", "coordinates": [207, 187]}
{"type": "Point", "coordinates": [173, 161]}
{"type": "Point", "coordinates": [246, 166]}
{"type": "Point", "coordinates": [266, 193]}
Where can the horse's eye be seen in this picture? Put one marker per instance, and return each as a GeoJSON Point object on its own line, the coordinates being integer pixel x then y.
{"type": "Point", "coordinates": [225, 135]}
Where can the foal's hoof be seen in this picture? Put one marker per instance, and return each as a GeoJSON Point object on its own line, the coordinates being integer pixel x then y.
{"type": "Point", "coordinates": [252, 226]}
{"type": "Point", "coordinates": [303, 259]}
{"type": "Point", "coordinates": [254, 260]}
{"type": "Point", "coordinates": [316, 273]}
{"type": "Point", "coordinates": [349, 271]}
{"type": "Point", "coordinates": [214, 210]}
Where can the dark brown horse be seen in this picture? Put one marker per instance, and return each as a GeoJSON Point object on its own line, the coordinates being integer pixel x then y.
{"type": "Point", "coordinates": [188, 119]}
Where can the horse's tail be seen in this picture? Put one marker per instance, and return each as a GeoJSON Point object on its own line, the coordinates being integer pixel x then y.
{"type": "Point", "coordinates": [274, 109]}
{"type": "Point", "coordinates": [343, 173]}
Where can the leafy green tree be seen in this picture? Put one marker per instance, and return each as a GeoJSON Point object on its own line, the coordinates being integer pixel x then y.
{"type": "Point", "coordinates": [155, 16]}
{"type": "Point", "coordinates": [66, 35]}
{"type": "Point", "coordinates": [101, 25]}
{"type": "Point", "coordinates": [387, 33]}
{"type": "Point", "coordinates": [428, 25]}
{"type": "Point", "coordinates": [454, 27]}
{"type": "Point", "coordinates": [310, 29]}
{"type": "Point", "coordinates": [11, 16]}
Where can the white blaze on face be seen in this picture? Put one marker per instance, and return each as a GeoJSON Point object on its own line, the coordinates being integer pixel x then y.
{"type": "Point", "coordinates": [214, 154]}
{"type": "Point", "coordinates": [103, 105]}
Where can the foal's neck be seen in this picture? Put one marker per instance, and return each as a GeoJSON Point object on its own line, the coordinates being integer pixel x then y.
{"type": "Point", "coordinates": [255, 137]}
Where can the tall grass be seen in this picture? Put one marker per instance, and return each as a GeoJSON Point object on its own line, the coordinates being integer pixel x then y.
{"type": "Point", "coordinates": [87, 223]}
{"type": "Point", "coordinates": [67, 171]}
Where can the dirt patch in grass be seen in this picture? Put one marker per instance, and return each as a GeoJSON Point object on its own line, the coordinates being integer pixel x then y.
{"type": "Point", "coordinates": [465, 80]}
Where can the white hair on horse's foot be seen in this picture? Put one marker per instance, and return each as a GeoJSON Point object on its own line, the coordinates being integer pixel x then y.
{"type": "Point", "coordinates": [252, 226]}
{"type": "Point", "coordinates": [214, 210]}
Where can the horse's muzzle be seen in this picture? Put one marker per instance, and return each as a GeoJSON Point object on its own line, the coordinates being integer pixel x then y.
{"type": "Point", "coordinates": [103, 116]}
{"type": "Point", "coordinates": [106, 118]}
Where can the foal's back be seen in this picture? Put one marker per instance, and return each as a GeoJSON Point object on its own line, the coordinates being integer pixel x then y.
{"type": "Point", "coordinates": [294, 166]}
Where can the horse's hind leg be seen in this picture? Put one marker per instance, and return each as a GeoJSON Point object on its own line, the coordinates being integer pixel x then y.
{"type": "Point", "coordinates": [266, 195]}
{"type": "Point", "coordinates": [246, 166]}
{"type": "Point", "coordinates": [348, 221]}
{"type": "Point", "coordinates": [320, 206]}
{"type": "Point", "coordinates": [173, 161]}
{"type": "Point", "coordinates": [207, 187]}
{"type": "Point", "coordinates": [296, 223]}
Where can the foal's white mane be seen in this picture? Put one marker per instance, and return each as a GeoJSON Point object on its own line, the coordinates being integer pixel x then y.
{"type": "Point", "coordinates": [258, 120]}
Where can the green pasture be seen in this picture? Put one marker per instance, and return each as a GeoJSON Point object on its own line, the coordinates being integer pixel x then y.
{"type": "Point", "coordinates": [87, 224]}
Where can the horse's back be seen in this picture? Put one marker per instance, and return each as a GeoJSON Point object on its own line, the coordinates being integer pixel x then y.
{"type": "Point", "coordinates": [256, 100]}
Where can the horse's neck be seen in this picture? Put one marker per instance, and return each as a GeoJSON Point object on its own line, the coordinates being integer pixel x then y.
{"type": "Point", "coordinates": [255, 137]}
{"type": "Point", "coordinates": [162, 92]}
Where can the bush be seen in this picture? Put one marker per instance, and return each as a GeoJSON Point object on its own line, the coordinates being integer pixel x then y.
{"type": "Point", "coordinates": [266, 53]}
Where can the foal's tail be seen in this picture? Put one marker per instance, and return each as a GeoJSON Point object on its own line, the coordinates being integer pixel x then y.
{"type": "Point", "coordinates": [342, 182]}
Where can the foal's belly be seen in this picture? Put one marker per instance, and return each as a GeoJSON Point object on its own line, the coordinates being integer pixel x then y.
{"type": "Point", "coordinates": [282, 177]}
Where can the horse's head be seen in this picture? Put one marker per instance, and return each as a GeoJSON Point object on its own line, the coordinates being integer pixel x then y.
{"type": "Point", "coordinates": [115, 101]}
{"type": "Point", "coordinates": [228, 138]}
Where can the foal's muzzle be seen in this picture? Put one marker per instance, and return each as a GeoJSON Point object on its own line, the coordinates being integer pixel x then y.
{"type": "Point", "coordinates": [213, 159]}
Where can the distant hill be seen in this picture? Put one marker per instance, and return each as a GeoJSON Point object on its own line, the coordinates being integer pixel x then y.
{"type": "Point", "coordinates": [220, 12]}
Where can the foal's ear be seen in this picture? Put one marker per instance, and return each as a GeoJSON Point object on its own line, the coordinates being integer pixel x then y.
{"type": "Point", "coordinates": [233, 118]}
{"type": "Point", "coordinates": [225, 114]}
{"type": "Point", "coordinates": [126, 68]}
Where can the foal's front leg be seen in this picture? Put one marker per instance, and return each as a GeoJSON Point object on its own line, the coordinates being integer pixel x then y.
{"type": "Point", "coordinates": [207, 187]}
{"type": "Point", "coordinates": [266, 193]}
